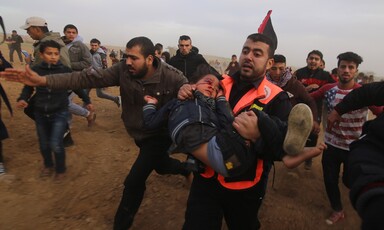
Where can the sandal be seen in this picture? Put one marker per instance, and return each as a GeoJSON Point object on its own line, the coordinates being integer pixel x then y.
{"type": "Point", "coordinates": [91, 119]}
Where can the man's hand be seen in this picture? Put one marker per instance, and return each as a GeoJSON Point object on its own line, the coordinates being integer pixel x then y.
{"type": "Point", "coordinates": [28, 60]}
{"type": "Point", "coordinates": [90, 107]}
{"type": "Point", "coordinates": [220, 93]}
{"type": "Point", "coordinates": [150, 99]}
{"type": "Point", "coordinates": [333, 120]}
{"type": "Point", "coordinates": [27, 77]}
{"type": "Point", "coordinates": [186, 92]}
{"type": "Point", "coordinates": [312, 87]}
{"type": "Point", "coordinates": [22, 104]}
{"type": "Point", "coordinates": [246, 125]}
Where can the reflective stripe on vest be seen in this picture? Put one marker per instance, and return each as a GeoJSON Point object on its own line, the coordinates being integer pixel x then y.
{"type": "Point", "coordinates": [264, 94]}
{"type": "Point", "coordinates": [238, 185]}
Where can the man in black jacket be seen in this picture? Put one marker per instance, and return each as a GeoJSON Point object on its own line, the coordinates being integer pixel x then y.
{"type": "Point", "coordinates": [187, 58]}
{"type": "Point", "coordinates": [313, 77]}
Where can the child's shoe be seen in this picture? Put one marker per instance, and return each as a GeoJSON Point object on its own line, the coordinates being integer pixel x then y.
{"type": "Point", "coordinates": [300, 122]}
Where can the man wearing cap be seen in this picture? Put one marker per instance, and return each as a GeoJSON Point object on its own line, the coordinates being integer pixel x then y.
{"type": "Point", "coordinates": [15, 45]}
{"type": "Point", "coordinates": [37, 28]}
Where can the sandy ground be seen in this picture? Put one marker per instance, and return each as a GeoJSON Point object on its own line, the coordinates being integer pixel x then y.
{"type": "Point", "coordinates": [97, 165]}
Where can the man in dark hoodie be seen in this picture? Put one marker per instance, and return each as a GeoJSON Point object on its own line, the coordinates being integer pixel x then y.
{"type": "Point", "coordinates": [187, 58]}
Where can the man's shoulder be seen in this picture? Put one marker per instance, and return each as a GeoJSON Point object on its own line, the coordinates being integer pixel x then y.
{"type": "Point", "coordinates": [302, 70]}
{"type": "Point", "coordinates": [53, 36]}
{"type": "Point", "coordinates": [168, 69]}
{"type": "Point", "coordinates": [80, 44]}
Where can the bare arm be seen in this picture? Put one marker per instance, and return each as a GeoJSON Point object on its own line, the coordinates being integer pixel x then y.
{"type": "Point", "coordinates": [308, 152]}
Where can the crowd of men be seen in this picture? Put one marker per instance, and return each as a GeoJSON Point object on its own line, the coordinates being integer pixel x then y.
{"type": "Point", "coordinates": [259, 80]}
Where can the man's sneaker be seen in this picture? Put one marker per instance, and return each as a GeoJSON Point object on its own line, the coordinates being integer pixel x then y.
{"type": "Point", "coordinates": [118, 102]}
{"type": "Point", "coordinates": [67, 140]}
{"type": "Point", "coordinates": [335, 217]}
{"type": "Point", "coordinates": [2, 169]}
{"type": "Point", "coordinates": [300, 122]}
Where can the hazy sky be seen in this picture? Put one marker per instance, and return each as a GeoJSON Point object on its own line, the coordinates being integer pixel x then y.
{"type": "Point", "coordinates": [220, 27]}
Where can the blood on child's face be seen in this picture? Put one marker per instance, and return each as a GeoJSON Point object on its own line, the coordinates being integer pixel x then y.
{"type": "Point", "coordinates": [208, 85]}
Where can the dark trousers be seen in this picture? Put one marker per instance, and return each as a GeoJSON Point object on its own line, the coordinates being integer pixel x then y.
{"type": "Point", "coordinates": [208, 202]}
{"type": "Point", "coordinates": [152, 156]}
{"type": "Point", "coordinates": [332, 159]}
{"type": "Point", "coordinates": [18, 51]}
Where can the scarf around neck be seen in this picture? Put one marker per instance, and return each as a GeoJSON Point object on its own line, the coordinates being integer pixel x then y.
{"type": "Point", "coordinates": [283, 80]}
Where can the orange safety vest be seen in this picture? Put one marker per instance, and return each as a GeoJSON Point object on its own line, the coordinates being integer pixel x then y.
{"type": "Point", "coordinates": [263, 94]}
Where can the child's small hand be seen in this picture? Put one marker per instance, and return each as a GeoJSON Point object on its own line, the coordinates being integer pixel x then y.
{"type": "Point", "coordinates": [150, 99]}
{"type": "Point", "coordinates": [21, 104]}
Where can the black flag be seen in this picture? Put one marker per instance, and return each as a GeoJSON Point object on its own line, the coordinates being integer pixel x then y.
{"type": "Point", "coordinates": [266, 28]}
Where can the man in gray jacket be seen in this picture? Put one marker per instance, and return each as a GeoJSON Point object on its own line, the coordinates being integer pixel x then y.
{"type": "Point", "coordinates": [99, 61]}
{"type": "Point", "coordinates": [80, 58]}
{"type": "Point", "coordinates": [141, 74]}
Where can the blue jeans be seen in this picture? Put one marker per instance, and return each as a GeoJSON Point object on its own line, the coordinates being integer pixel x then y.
{"type": "Point", "coordinates": [75, 109]}
{"type": "Point", "coordinates": [50, 130]}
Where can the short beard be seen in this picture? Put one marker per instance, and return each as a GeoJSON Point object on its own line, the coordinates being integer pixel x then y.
{"type": "Point", "coordinates": [344, 81]}
{"type": "Point", "coordinates": [141, 73]}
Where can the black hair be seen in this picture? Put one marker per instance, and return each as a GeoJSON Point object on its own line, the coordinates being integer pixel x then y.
{"type": "Point", "coordinates": [234, 55]}
{"type": "Point", "coordinates": [334, 71]}
{"type": "Point", "coordinates": [158, 47]}
{"type": "Point", "coordinates": [146, 45]}
{"type": "Point", "coordinates": [350, 56]}
{"type": "Point", "coordinates": [201, 71]}
{"type": "Point", "coordinates": [167, 56]}
{"type": "Point", "coordinates": [94, 40]}
{"type": "Point", "coordinates": [49, 43]}
{"type": "Point", "coordinates": [278, 58]}
{"type": "Point", "coordinates": [184, 37]}
{"type": "Point", "coordinates": [70, 26]}
{"type": "Point", "coordinates": [316, 52]}
{"type": "Point", "coordinates": [263, 38]}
